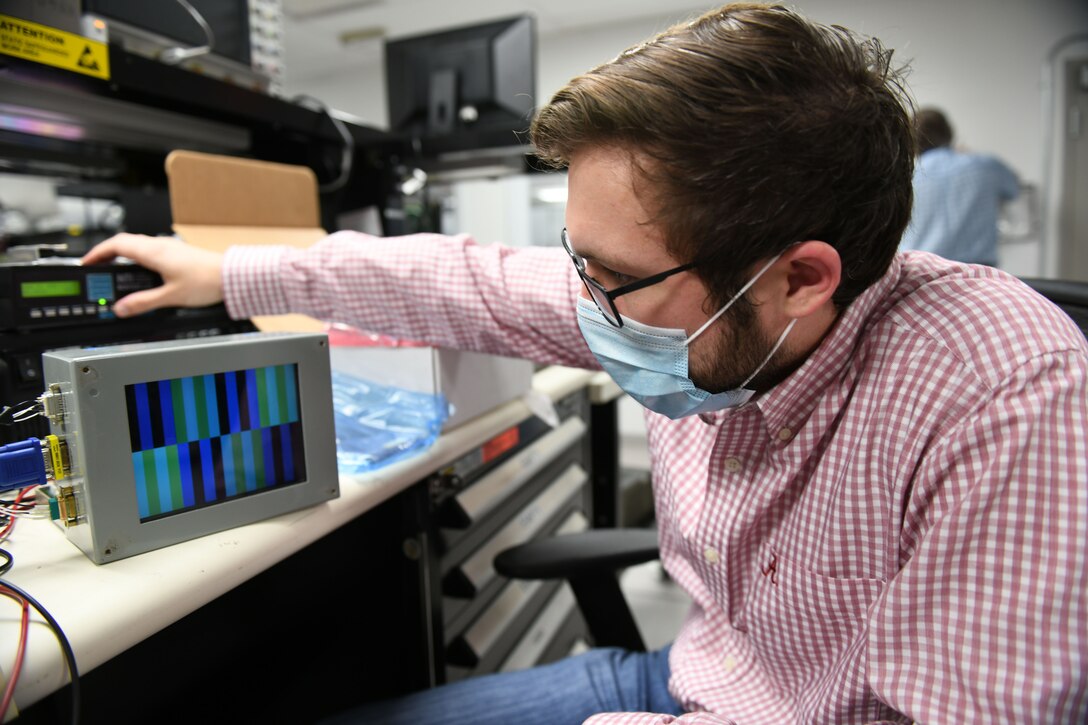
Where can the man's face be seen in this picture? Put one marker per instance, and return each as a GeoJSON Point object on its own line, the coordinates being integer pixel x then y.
{"type": "Point", "coordinates": [609, 225]}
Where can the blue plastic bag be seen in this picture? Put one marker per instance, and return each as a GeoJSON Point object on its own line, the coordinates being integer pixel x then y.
{"type": "Point", "coordinates": [377, 425]}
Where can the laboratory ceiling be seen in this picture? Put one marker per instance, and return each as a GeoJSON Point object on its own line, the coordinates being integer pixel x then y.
{"type": "Point", "coordinates": [325, 36]}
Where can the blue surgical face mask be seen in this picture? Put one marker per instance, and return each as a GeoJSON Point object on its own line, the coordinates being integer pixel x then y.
{"type": "Point", "coordinates": [651, 363]}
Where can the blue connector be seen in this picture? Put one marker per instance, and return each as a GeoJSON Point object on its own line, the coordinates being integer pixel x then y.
{"type": "Point", "coordinates": [22, 464]}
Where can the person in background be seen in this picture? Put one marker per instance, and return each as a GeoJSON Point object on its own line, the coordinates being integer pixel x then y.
{"type": "Point", "coordinates": [957, 196]}
{"type": "Point", "coordinates": [869, 468]}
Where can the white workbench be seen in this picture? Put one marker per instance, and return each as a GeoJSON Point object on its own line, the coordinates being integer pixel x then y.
{"type": "Point", "coordinates": [106, 609]}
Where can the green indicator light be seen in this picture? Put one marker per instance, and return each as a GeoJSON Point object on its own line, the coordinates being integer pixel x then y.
{"type": "Point", "coordinates": [102, 301]}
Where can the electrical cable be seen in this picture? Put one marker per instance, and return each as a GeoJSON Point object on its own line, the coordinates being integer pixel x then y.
{"type": "Point", "coordinates": [69, 655]}
{"type": "Point", "coordinates": [20, 653]}
{"type": "Point", "coordinates": [17, 502]}
{"type": "Point", "coordinates": [23, 509]}
{"type": "Point", "coordinates": [11, 511]}
{"type": "Point", "coordinates": [8, 561]}
{"type": "Point", "coordinates": [6, 531]}
{"type": "Point", "coordinates": [173, 56]}
{"type": "Point", "coordinates": [12, 414]}
{"type": "Point", "coordinates": [347, 151]}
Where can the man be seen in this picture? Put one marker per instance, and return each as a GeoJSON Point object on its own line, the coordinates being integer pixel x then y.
{"type": "Point", "coordinates": [957, 196]}
{"type": "Point", "coordinates": [869, 468]}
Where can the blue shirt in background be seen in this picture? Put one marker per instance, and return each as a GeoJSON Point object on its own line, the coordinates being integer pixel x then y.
{"type": "Point", "coordinates": [957, 198]}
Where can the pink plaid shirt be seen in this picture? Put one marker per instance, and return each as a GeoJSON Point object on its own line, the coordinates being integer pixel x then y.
{"type": "Point", "coordinates": [896, 532]}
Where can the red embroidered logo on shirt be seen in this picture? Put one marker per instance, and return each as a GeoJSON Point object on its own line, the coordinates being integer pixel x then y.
{"type": "Point", "coordinates": [771, 569]}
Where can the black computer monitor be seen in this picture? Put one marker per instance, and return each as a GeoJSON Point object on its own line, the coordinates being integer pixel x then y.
{"type": "Point", "coordinates": [467, 87]}
{"type": "Point", "coordinates": [229, 20]}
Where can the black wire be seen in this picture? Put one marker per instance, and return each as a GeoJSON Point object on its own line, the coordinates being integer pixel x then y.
{"type": "Point", "coordinates": [9, 560]}
{"type": "Point", "coordinates": [7, 412]}
{"type": "Point", "coordinates": [20, 506]}
{"type": "Point", "coordinates": [69, 655]}
{"type": "Point", "coordinates": [347, 150]}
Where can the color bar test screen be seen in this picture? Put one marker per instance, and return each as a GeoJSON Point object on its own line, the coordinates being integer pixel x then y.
{"type": "Point", "coordinates": [203, 440]}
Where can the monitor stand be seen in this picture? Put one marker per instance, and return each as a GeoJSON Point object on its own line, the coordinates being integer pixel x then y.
{"type": "Point", "coordinates": [442, 102]}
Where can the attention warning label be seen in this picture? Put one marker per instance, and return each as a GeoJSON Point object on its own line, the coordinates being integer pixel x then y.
{"type": "Point", "coordinates": [57, 48]}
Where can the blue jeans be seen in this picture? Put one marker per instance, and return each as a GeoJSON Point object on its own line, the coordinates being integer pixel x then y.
{"type": "Point", "coordinates": [567, 691]}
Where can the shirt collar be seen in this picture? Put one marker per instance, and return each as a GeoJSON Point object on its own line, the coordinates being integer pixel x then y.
{"type": "Point", "coordinates": [789, 404]}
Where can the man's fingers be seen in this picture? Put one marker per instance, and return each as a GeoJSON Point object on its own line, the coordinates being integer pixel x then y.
{"type": "Point", "coordinates": [143, 301]}
{"type": "Point", "coordinates": [103, 252]}
{"type": "Point", "coordinates": [122, 245]}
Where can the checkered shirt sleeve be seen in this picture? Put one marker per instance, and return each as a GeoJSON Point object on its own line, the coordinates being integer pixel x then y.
{"type": "Point", "coordinates": [446, 291]}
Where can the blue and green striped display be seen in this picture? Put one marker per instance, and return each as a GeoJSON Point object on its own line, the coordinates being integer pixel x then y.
{"type": "Point", "coordinates": [202, 440]}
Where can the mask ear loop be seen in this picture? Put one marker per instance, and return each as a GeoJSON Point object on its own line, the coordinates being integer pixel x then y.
{"type": "Point", "coordinates": [781, 339]}
{"type": "Point", "coordinates": [735, 297]}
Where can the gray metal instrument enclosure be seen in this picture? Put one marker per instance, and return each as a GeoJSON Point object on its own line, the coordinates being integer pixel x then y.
{"type": "Point", "coordinates": [98, 387]}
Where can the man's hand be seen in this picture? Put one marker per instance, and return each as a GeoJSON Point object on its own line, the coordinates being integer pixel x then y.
{"type": "Point", "coordinates": [192, 277]}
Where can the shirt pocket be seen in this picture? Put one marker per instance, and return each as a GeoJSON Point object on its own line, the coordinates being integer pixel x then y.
{"type": "Point", "coordinates": [806, 627]}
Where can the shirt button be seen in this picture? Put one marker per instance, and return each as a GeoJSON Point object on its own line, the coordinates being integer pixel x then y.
{"type": "Point", "coordinates": [730, 663]}
{"type": "Point", "coordinates": [711, 555]}
{"type": "Point", "coordinates": [784, 434]}
{"type": "Point", "coordinates": [732, 464]}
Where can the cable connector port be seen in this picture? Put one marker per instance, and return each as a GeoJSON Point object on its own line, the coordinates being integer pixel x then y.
{"type": "Point", "coordinates": [52, 405]}
{"type": "Point", "coordinates": [58, 463]}
{"type": "Point", "coordinates": [67, 506]}
{"type": "Point", "coordinates": [47, 502]}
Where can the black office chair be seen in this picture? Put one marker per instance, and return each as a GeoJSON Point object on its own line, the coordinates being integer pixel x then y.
{"type": "Point", "coordinates": [1071, 296]}
{"type": "Point", "coordinates": [591, 561]}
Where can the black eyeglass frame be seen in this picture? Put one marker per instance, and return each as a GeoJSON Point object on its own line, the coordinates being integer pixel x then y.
{"type": "Point", "coordinates": [597, 291]}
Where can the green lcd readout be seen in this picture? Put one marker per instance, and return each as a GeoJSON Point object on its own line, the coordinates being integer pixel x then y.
{"type": "Point", "coordinates": [50, 288]}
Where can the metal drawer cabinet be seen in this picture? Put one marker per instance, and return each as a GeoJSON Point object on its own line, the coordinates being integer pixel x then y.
{"type": "Point", "coordinates": [538, 484]}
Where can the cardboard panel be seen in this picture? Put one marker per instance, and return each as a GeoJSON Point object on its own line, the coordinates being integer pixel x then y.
{"type": "Point", "coordinates": [228, 191]}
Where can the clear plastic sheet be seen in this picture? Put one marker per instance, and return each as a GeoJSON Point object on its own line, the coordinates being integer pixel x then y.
{"type": "Point", "coordinates": [377, 425]}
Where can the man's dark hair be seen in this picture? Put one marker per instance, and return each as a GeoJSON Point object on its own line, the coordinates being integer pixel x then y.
{"type": "Point", "coordinates": [933, 130]}
{"type": "Point", "coordinates": [759, 128]}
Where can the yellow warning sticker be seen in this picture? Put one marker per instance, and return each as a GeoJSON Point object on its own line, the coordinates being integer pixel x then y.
{"type": "Point", "coordinates": [43, 44]}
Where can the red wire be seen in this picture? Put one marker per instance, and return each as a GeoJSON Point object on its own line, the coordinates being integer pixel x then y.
{"type": "Point", "coordinates": [9, 691]}
{"type": "Point", "coordinates": [11, 523]}
{"type": "Point", "coordinates": [7, 529]}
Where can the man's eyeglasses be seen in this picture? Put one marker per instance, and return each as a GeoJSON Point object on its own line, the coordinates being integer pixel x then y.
{"type": "Point", "coordinates": [604, 298]}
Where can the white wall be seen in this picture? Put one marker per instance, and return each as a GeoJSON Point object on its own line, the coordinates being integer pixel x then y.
{"type": "Point", "coordinates": [980, 60]}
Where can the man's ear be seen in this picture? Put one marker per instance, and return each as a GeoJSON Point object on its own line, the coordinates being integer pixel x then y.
{"type": "Point", "coordinates": [810, 273]}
